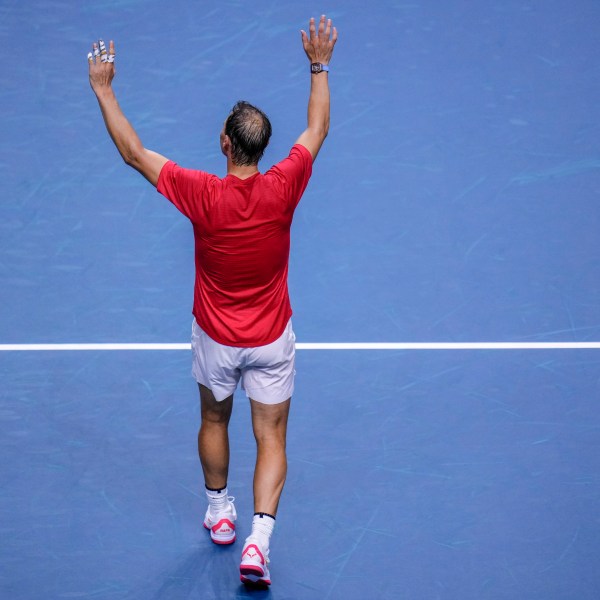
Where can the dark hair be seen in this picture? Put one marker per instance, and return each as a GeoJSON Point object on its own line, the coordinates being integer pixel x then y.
{"type": "Point", "coordinates": [249, 130]}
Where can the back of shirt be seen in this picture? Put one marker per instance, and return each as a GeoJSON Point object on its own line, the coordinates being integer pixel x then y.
{"type": "Point", "coordinates": [242, 239]}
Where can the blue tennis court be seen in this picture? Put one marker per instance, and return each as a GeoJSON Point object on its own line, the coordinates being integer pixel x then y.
{"type": "Point", "coordinates": [455, 201]}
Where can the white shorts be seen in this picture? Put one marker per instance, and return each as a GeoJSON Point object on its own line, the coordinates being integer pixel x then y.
{"type": "Point", "coordinates": [267, 372]}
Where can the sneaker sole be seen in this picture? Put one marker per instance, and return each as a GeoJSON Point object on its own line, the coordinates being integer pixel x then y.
{"type": "Point", "coordinates": [259, 582]}
{"type": "Point", "coordinates": [252, 570]}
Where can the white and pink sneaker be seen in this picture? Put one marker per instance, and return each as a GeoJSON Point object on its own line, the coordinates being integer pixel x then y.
{"type": "Point", "coordinates": [254, 569]}
{"type": "Point", "coordinates": [222, 525]}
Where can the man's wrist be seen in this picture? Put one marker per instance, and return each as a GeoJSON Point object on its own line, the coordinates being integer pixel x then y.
{"type": "Point", "coordinates": [318, 67]}
{"type": "Point", "coordinates": [104, 92]}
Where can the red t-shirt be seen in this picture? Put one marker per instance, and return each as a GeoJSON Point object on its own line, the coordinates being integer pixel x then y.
{"type": "Point", "coordinates": [242, 238]}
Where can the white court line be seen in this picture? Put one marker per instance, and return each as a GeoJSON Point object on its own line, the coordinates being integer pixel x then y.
{"type": "Point", "coordinates": [323, 346]}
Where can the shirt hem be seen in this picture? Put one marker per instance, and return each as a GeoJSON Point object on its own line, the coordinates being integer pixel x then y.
{"type": "Point", "coordinates": [251, 344]}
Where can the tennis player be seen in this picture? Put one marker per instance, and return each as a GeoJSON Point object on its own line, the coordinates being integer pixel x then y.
{"type": "Point", "coordinates": [242, 330]}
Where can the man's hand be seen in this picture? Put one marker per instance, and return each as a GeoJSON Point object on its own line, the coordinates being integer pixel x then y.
{"type": "Point", "coordinates": [102, 66]}
{"type": "Point", "coordinates": [319, 46]}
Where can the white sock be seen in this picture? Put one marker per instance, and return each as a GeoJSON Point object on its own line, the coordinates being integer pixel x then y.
{"type": "Point", "coordinates": [262, 528]}
{"type": "Point", "coordinates": [217, 500]}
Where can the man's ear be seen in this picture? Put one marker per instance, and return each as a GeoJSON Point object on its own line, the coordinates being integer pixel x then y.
{"type": "Point", "coordinates": [225, 145]}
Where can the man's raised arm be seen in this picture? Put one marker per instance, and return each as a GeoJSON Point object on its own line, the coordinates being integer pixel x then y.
{"type": "Point", "coordinates": [318, 46]}
{"type": "Point", "coordinates": [102, 71]}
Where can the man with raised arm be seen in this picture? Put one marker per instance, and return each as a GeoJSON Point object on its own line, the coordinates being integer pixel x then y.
{"type": "Point", "coordinates": [242, 329]}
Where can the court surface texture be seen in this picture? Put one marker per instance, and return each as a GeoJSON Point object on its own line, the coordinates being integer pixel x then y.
{"type": "Point", "coordinates": [452, 218]}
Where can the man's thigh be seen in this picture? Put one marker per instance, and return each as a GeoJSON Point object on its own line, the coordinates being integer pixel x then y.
{"type": "Point", "coordinates": [215, 366]}
{"type": "Point", "coordinates": [270, 420]}
{"type": "Point", "coordinates": [213, 410]}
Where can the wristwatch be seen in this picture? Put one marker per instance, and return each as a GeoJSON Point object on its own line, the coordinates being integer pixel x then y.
{"type": "Point", "coordinates": [318, 68]}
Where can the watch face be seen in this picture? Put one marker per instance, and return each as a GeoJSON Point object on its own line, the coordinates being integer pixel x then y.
{"type": "Point", "coordinates": [316, 67]}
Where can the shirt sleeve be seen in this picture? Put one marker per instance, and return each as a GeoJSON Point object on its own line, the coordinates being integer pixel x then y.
{"type": "Point", "coordinates": [293, 173]}
{"type": "Point", "coordinates": [184, 188]}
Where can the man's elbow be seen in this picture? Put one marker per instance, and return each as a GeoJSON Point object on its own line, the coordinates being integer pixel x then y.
{"type": "Point", "coordinates": [325, 131]}
{"type": "Point", "coordinates": [133, 158]}
{"type": "Point", "coordinates": [325, 128]}
{"type": "Point", "coordinates": [128, 160]}
{"type": "Point", "coordinates": [321, 131]}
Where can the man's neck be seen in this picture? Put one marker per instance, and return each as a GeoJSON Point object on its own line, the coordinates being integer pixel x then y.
{"type": "Point", "coordinates": [241, 172]}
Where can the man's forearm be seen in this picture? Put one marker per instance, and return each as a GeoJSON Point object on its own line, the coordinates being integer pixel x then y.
{"type": "Point", "coordinates": [318, 104]}
{"type": "Point", "coordinates": [120, 130]}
